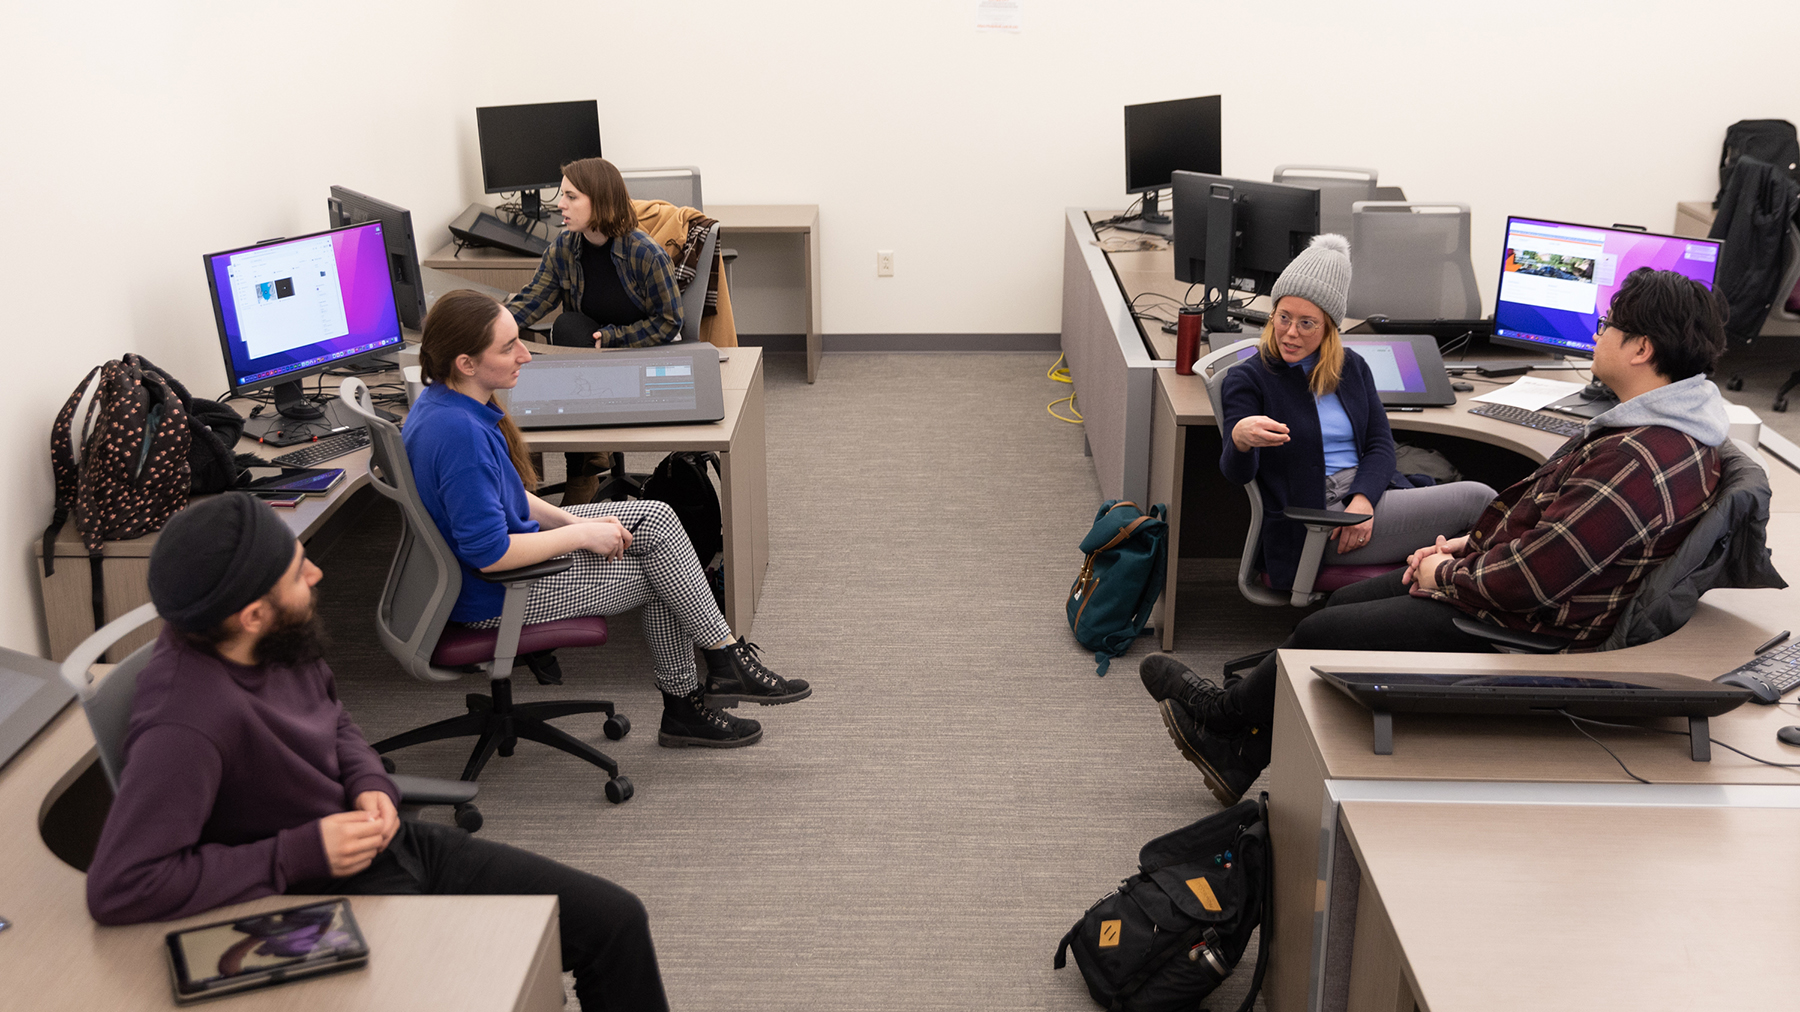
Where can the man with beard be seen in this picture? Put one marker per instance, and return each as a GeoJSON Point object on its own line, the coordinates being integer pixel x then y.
{"type": "Point", "coordinates": [244, 776]}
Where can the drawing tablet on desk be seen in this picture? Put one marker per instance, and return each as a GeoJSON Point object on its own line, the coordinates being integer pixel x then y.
{"type": "Point", "coordinates": [32, 691]}
{"type": "Point", "coordinates": [671, 384]}
{"type": "Point", "coordinates": [1616, 694]}
{"type": "Point", "coordinates": [1408, 369]}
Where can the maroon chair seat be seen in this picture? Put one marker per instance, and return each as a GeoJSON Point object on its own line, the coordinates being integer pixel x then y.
{"type": "Point", "coordinates": [460, 645]}
{"type": "Point", "coordinates": [1332, 578]}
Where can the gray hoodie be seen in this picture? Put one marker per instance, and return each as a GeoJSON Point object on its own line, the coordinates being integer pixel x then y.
{"type": "Point", "coordinates": [1692, 406]}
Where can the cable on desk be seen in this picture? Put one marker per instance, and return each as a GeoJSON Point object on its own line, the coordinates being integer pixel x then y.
{"type": "Point", "coordinates": [1578, 721]}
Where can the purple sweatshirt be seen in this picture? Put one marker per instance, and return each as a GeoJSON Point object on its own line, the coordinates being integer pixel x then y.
{"type": "Point", "coordinates": [228, 771]}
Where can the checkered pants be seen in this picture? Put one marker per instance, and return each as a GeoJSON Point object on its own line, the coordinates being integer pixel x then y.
{"type": "Point", "coordinates": [659, 572]}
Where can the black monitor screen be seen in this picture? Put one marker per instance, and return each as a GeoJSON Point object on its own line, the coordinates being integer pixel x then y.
{"type": "Point", "coordinates": [300, 306]}
{"type": "Point", "coordinates": [1272, 222]}
{"type": "Point", "coordinates": [524, 147]}
{"type": "Point", "coordinates": [1162, 138]}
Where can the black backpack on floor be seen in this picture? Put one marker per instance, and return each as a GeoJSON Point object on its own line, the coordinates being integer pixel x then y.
{"type": "Point", "coordinates": [681, 481]}
{"type": "Point", "coordinates": [1173, 932]}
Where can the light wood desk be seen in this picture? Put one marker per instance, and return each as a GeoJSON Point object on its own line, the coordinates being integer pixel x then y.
{"type": "Point", "coordinates": [511, 271]}
{"type": "Point", "coordinates": [1323, 759]}
{"type": "Point", "coordinates": [1623, 905]}
{"type": "Point", "coordinates": [743, 500]}
{"type": "Point", "coordinates": [498, 953]}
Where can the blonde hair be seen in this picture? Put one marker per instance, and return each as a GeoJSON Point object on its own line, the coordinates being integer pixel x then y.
{"type": "Point", "coordinates": [462, 323]}
{"type": "Point", "coordinates": [1326, 372]}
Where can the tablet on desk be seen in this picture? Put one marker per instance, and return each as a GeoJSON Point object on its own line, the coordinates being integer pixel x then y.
{"type": "Point", "coordinates": [667, 385]}
{"type": "Point", "coordinates": [32, 691]}
{"type": "Point", "coordinates": [1409, 371]}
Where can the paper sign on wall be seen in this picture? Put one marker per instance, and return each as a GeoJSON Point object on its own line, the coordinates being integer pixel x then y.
{"type": "Point", "coordinates": [998, 16]}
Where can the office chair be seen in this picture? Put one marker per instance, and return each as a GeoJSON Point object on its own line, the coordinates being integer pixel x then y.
{"type": "Point", "coordinates": [413, 621]}
{"type": "Point", "coordinates": [1727, 547]}
{"type": "Point", "coordinates": [1313, 580]}
{"type": "Point", "coordinates": [107, 702]}
{"type": "Point", "coordinates": [677, 184]}
{"type": "Point", "coordinates": [1339, 187]}
{"type": "Point", "coordinates": [1410, 261]}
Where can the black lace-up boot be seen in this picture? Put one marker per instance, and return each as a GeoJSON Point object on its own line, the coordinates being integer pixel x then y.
{"type": "Point", "coordinates": [687, 720]}
{"type": "Point", "coordinates": [734, 675]}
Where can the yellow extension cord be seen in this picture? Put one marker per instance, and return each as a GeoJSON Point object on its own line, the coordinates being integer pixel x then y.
{"type": "Point", "coordinates": [1060, 373]}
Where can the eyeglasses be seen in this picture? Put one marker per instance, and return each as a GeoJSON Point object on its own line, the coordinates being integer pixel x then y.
{"type": "Point", "coordinates": [1601, 324]}
{"type": "Point", "coordinates": [1305, 324]}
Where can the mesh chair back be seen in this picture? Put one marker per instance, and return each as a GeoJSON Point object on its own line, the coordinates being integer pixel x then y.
{"type": "Point", "coordinates": [1339, 187]}
{"type": "Point", "coordinates": [693, 301]}
{"type": "Point", "coordinates": [1213, 367]}
{"type": "Point", "coordinates": [1410, 261]}
{"type": "Point", "coordinates": [425, 576]}
{"type": "Point", "coordinates": [677, 184]}
{"type": "Point", "coordinates": [107, 700]}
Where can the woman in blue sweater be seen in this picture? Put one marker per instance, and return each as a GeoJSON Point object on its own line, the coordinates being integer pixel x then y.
{"type": "Point", "coordinates": [1307, 420]}
{"type": "Point", "coordinates": [474, 476]}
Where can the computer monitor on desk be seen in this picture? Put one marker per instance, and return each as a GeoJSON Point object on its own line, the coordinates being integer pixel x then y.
{"type": "Point", "coordinates": [288, 309]}
{"type": "Point", "coordinates": [524, 147]}
{"type": "Point", "coordinates": [347, 207]}
{"type": "Point", "coordinates": [1238, 234]}
{"type": "Point", "coordinates": [1558, 279]}
{"type": "Point", "coordinates": [1162, 138]}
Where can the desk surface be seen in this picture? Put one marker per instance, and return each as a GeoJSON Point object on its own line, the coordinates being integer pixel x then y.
{"type": "Point", "coordinates": [1544, 907]}
{"type": "Point", "coordinates": [504, 950]}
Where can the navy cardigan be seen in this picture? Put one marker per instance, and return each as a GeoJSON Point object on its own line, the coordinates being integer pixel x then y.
{"type": "Point", "coordinates": [1293, 474]}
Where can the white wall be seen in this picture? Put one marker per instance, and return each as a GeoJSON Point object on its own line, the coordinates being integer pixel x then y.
{"type": "Point", "coordinates": [141, 136]}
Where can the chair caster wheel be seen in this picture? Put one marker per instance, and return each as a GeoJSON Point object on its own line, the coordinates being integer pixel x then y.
{"type": "Point", "coordinates": [619, 790]}
{"type": "Point", "coordinates": [468, 818]}
{"type": "Point", "coordinates": [387, 764]}
{"type": "Point", "coordinates": [617, 726]}
{"type": "Point", "coordinates": [1780, 405]}
{"type": "Point", "coordinates": [507, 746]}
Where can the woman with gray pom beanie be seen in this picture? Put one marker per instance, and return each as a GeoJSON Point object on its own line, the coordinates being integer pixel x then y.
{"type": "Point", "coordinates": [1308, 421]}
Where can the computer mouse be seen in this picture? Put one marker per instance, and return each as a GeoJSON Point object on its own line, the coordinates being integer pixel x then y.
{"type": "Point", "coordinates": [1789, 735]}
{"type": "Point", "coordinates": [1760, 691]}
{"type": "Point", "coordinates": [1462, 388]}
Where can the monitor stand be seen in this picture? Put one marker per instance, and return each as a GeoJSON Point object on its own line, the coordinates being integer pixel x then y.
{"type": "Point", "coordinates": [298, 420]}
{"type": "Point", "coordinates": [1591, 401]}
{"type": "Point", "coordinates": [1150, 218]}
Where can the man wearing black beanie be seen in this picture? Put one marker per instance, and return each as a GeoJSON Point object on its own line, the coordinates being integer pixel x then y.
{"type": "Point", "coordinates": [244, 776]}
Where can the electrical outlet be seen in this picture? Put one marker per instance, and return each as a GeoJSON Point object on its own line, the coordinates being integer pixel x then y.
{"type": "Point", "coordinates": [884, 263]}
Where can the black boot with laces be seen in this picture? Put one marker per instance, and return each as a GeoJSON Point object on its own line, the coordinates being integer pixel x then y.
{"type": "Point", "coordinates": [735, 675]}
{"type": "Point", "coordinates": [687, 720]}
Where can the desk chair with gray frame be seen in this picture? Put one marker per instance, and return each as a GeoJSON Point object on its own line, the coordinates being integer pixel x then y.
{"type": "Point", "coordinates": [107, 702]}
{"type": "Point", "coordinates": [413, 622]}
{"type": "Point", "coordinates": [1727, 547]}
{"type": "Point", "coordinates": [1339, 187]}
{"type": "Point", "coordinates": [1411, 261]}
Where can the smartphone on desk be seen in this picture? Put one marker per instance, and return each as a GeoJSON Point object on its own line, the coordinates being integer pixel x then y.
{"type": "Point", "coordinates": [262, 950]}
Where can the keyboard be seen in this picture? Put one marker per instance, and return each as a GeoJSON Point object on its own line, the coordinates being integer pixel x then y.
{"type": "Point", "coordinates": [1529, 419]}
{"type": "Point", "coordinates": [335, 445]}
{"type": "Point", "coordinates": [1779, 669]}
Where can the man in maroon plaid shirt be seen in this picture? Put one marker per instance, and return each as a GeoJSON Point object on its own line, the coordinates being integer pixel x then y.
{"type": "Point", "coordinates": [1559, 553]}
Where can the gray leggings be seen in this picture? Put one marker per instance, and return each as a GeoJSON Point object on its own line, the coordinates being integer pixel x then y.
{"type": "Point", "coordinates": [1407, 519]}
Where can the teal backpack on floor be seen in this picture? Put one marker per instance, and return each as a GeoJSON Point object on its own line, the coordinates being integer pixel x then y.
{"type": "Point", "coordinates": [1127, 561]}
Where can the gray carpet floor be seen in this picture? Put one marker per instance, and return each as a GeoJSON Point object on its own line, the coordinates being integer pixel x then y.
{"type": "Point", "coordinates": [960, 787]}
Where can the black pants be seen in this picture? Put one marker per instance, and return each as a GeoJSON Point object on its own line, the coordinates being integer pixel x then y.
{"type": "Point", "coordinates": [1376, 614]}
{"type": "Point", "coordinates": [605, 930]}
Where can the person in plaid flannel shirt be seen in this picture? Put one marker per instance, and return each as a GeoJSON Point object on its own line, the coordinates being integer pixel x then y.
{"type": "Point", "coordinates": [1560, 553]}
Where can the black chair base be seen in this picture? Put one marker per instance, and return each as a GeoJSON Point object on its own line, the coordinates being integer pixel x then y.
{"type": "Point", "coordinates": [497, 724]}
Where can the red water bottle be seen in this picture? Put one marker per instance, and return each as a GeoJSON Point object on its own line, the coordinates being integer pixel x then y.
{"type": "Point", "coordinates": [1188, 335]}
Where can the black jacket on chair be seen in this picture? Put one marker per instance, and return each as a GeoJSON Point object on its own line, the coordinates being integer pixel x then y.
{"type": "Point", "coordinates": [1756, 210]}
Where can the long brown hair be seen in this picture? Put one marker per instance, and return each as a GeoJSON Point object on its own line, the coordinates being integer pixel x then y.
{"type": "Point", "coordinates": [599, 181]}
{"type": "Point", "coordinates": [1326, 372]}
{"type": "Point", "coordinates": [462, 323]}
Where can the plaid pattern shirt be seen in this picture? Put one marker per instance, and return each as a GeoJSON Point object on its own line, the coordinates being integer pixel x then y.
{"type": "Point", "coordinates": [1563, 551]}
{"type": "Point", "coordinates": [645, 270]}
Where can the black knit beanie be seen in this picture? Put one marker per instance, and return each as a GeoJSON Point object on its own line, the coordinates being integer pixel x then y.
{"type": "Point", "coordinates": [216, 557]}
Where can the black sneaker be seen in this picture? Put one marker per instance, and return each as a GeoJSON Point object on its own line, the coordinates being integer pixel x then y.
{"type": "Point", "coordinates": [734, 675]}
{"type": "Point", "coordinates": [687, 720]}
{"type": "Point", "coordinates": [1167, 678]}
{"type": "Point", "coordinates": [1229, 763]}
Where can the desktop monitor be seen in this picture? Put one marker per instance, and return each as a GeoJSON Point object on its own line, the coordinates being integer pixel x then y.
{"type": "Point", "coordinates": [1557, 279]}
{"type": "Point", "coordinates": [347, 207]}
{"type": "Point", "coordinates": [292, 308]}
{"type": "Point", "coordinates": [524, 147]}
{"type": "Point", "coordinates": [1162, 138]}
{"type": "Point", "coordinates": [1262, 227]}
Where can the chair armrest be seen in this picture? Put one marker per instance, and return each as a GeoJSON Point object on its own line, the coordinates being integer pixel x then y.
{"type": "Point", "coordinates": [536, 571]}
{"type": "Point", "coordinates": [1324, 518]}
{"type": "Point", "coordinates": [433, 791]}
{"type": "Point", "coordinates": [1510, 639]}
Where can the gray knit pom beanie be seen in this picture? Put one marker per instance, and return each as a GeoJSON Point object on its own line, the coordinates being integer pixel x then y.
{"type": "Point", "coordinates": [1320, 275]}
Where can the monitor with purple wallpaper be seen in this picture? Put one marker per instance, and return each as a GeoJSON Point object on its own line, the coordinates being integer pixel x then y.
{"type": "Point", "coordinates": [1557, 279]}
{"type": "Point", "coordinates": [293, 308]}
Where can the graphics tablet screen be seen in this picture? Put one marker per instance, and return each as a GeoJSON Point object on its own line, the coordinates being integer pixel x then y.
{"type": "Point", "coordinates": [553, 387]}
{"type": "Point", "coordinates": [1395, 366]}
